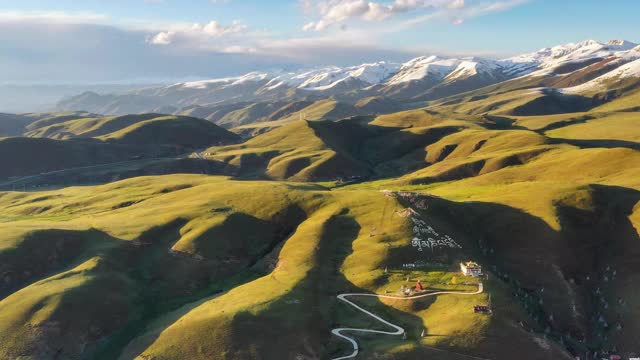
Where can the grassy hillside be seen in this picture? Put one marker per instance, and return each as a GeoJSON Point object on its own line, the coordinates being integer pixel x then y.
{"type": "Point", "coordinates": [174, 130]}
{"type": "Point", "coordinates": [139, 129]}
{"type": "Point", "coordinates": [238, 114]}
{"type": "Point", "coordinates": [377, 105]}
{"type": "Point", "coordinates": [18, 124]}
{"type": "Point", "coordinates": [250, 118]}
{"type": "Point", "coordinates": [45, 119]}
{"type": "Point", "coordinates": [12, 125]}
{"type": "Point", "coordinates": [32, 156]}
{"type": "Point", "coordinates": [303, 150]}
{"type": "Point", "coordinates": [541, 188]}
{"type": "Point", "coordinates": [64, 142]}
{"type": "Point", "coordinates": [426, 118]}
{"type": "Point", "coordinates": [63, 127]}
{"type": "Point", "coordinates": [564, 188]}
{"type": "Point", "coordinates": [249, 114]}
{"type": "Point", "coordinates": [537, 101]}
{"type": "Point", "coordinates": [279, 252]}
{"type": "Point", "coordinates": [626, 102]}
{"type": "Point", "coordinates": [357, 147]}
{"type": "Point", "coordinates": [325, 110]}
{"type": "Point", "coordinates": [612, 126]}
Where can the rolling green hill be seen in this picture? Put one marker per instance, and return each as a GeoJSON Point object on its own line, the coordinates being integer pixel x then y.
{"type": "Point", "coordinates": [627, 102]}
{"type": "Point", "coordinates": [303, 150]}
{"type": "Point", "coordinates": [139, 129]}
{"type": "Point", "coordinates": [64, 127]}
{"type": "Point", "coordinates": [45, 119]}
{"type": "Point", "coordinates": [33, 156]}
{"type": "Point", "coordinates": [57, 144]}
{"type": "Point", "coordinates": [174, 130]}
{"type": "Point", "coordinates": [240, 113]}
{"type": "Point", "coordinates": [245, 117]}
{"type": "Point", "coordinates": [12, 125]}
{"type": "Point", "coordinates": [621, 126]}
{"type": "Point", "coordinates": [527, 102]}
{"type": "Point", "coordinates": [260, 258]}
{"type": "Point", "coordinates": [357, 147]}
{"type": "Point", "coordinates": [539, 186]}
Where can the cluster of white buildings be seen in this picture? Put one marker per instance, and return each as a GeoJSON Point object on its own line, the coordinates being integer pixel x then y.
{"type": "Point", "coordinates": [471, 268]}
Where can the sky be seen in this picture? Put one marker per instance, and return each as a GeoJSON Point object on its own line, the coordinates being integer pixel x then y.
{"type": "Point", "coordinates": [103, 41]}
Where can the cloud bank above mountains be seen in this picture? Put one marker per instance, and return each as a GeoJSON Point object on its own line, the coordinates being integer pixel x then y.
{"type": "Point", "coordinates": [340, 11]}
{"type": "Point", "coordinates": [85, 46]}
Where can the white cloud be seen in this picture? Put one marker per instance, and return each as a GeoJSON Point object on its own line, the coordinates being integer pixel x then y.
{"type": "Point", "coordinates": [457, 4]}
{"type": "Point", "coordinates": [332, 12]}
{"type": "Point", "coordinates": [460, 14]}
{"type": "Point", "coordinates": [56, 17]}
{"type": "Point", "coordinates": [197, 32]}
{"type": "Point", "coordinates": [163, 38]}
{"type": "Point", "coordinates": [215, 29]}
{"type": "Point", "coordinates": [238, 49]}
{"type": "Point", "coordinates": [337, 11]}
{"type": "Point", "coordinates": [79, 46]}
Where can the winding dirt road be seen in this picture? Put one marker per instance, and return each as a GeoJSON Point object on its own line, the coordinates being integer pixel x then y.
{"type": "Point", "coordinates": [397, 329]}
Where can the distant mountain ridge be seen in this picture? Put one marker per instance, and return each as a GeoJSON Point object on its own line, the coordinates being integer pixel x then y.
{"type": "Point", "coordinates": [421, 79]}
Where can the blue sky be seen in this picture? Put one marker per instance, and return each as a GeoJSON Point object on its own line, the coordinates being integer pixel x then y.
{"type": "Point", "coordinates": [133, 40]}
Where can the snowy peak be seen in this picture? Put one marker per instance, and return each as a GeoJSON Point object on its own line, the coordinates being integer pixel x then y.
{"type": "Point", "coordinates": [585, 49]}
{"type": "Point", "coordinates": [622, 73]}
{"type": "Point", "coordinates": [374, 73]}
{"type": "Point", "coordinates": [621, 44]}
{"type": "Point", "coordinates": [203, 84]}
{"type": "Point", "coordinates": [449, 70]}
{"type": "Point", "coordinates": [230, 81]}
{"type": "Point", "coordinates": [369, 74]}
{"type": "Point", "coordinates": [315, 79]}
{"type": "Point", "coordinates": [422, 60]}
{"type": "Point", "coordinates": [426, 67]}
{"type": "Point", "coordinates": [425, 70]}
{"type": "Point", "coordinates": [628, 70]}
{"type": "Point", "coordinates": [588, 66]}
{"type": "Point", "coordinates": [548, 58]}
{"type": "Point", "coordinates": [469, 67]}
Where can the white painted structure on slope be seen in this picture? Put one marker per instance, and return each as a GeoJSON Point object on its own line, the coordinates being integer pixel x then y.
{"type": "Point", "coordinates": [471, 268]}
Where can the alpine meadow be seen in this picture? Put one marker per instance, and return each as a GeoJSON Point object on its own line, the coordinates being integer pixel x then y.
{"type": "Point", "coordinates": [319, 180]}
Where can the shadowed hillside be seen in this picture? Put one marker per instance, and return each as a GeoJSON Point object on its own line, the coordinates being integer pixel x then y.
{"type": "Point", "coordinates": [158, 129]}
{"type": "Point", "coordinates": [372, 183]}
{"type": "Point", "coordinates": [209, 264]}
{"type": "Point", "coordinates": [69, 141]}
{"type": "Point", "coordinates": [207, 271]}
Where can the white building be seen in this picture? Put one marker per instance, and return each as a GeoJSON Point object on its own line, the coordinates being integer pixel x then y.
{"type": "Point", "coordinates": [471, 268]}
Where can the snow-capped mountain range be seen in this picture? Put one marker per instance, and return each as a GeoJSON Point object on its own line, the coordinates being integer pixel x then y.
{"type": "Point", "coordinates": [448, 69]}
{"type": "Point", "coordinates": [419, 79]}
{"type": "Point", "coordinates": [314, 79]}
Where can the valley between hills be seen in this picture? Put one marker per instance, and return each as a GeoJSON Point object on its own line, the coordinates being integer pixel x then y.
{"type": "Point", "coordinates": [236, 225]}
